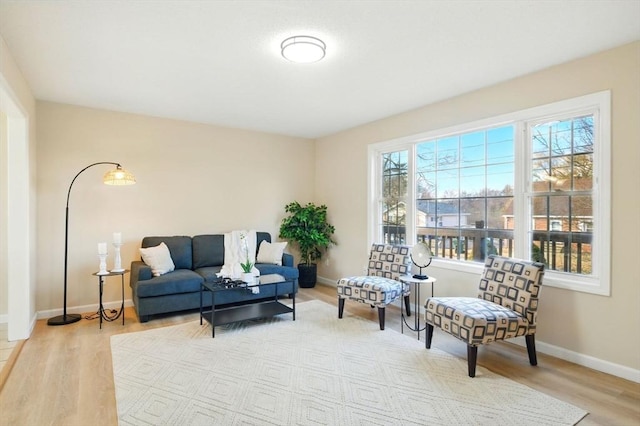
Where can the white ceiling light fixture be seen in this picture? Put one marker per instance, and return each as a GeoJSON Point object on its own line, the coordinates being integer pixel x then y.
{"type": "Point", "coordinates": [303, 49]}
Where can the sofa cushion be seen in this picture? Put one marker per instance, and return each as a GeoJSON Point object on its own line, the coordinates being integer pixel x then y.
{"type": "Point", "coordinates": [208, 250]}
{"type": "Point", "coordinates": [271, 252]}
{"type": "Point", "coordinates": [269, 268]}
{"type": "Point", "coordinates": [178, 281]}
{"type": "Point", "coordinates": [260, 237]}
{"type": "Point", "coordinates": [158, 258]}
{"type": "Point", "coordinates": [179, 247]}
{"type": "Point", "coordinates": [209, 272]}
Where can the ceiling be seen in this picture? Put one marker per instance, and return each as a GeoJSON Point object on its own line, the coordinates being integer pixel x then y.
{"type": "Point", "coordinates": [219, 62]}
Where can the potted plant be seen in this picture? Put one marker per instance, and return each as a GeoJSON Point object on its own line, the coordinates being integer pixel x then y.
{"type": "Point", "coordinates": [247, 265]}
{"type": "Point", "coordinates": [307, 227]}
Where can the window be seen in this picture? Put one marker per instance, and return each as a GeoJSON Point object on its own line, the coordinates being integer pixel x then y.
{"type": "Point", "coordinates": [394, 197]}
{"type": "Point", "coordinates": [561, 193]}
{"type": "Point", "coordinates": [533, 184]}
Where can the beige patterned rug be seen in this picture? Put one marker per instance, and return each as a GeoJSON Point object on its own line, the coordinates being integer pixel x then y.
{"type": "Point", "coordinates": [317, 370]}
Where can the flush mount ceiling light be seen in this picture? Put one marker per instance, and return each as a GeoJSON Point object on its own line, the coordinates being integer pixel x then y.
{"type": "Point", "coordinates": [303, 49]}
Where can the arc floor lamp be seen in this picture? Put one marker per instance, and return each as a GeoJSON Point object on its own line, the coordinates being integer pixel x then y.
{"type": "Point", "coordinates": [117, 176]}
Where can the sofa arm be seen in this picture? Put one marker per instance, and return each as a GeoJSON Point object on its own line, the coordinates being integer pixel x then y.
{"type": "Point", "coordinates": [287, 259]}
{"type": "Point", "coordinates": [140, 271]}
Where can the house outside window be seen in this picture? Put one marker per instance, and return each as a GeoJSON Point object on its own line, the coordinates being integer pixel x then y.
{"type": "Point", "coordinates": [533, 184]}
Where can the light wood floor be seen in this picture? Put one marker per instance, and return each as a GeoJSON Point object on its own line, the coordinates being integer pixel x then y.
{"type": "Point", "coordinates": [63, 374]}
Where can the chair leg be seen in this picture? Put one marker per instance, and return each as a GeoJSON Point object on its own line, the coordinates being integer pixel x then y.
{"type": "Point", "coordinates": [407, 304]}
{"type": "Point", "coordinates": [429, 336]}
{"type": "Point", "coordinates": [472, 356]}
{"type": "Point", "coordinates": [340, 306]}
{"type": "Point", "coordinates": [531, 348]}
{"type": "Point", "coordinates": [381, 317]}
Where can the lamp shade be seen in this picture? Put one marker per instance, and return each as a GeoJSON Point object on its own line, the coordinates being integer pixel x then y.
{"type": "Point", "coordinates": [303, 49]}
{"type": "Point", "coordinates": [118, 176]}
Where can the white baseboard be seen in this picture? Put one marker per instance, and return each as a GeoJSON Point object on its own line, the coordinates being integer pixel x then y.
{"type": "Point", "coordinates": [83, 309]}
{"type": "Point", "coordinates": [556, 351]}
{"type": "Point", "coordinates": [4, 319]}
{"type": "Point", "coordinates": [583, 360]}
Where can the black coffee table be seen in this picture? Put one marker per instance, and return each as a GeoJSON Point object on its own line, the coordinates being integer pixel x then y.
{"type": "Point", "coordinates": [250, 309]}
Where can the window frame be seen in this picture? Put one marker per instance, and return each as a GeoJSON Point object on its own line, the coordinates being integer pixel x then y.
{"type": "Point", "coordinates": [599, 282]}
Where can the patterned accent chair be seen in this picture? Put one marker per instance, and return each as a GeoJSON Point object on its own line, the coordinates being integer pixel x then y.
{"type": "Point", "coordinates": [381, 285]}
{"type": "Point", "coordinates": [506, 307]}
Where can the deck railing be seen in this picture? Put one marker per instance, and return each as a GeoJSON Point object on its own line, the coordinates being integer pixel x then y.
{"type": "Point", "coordinates": [560, 251]}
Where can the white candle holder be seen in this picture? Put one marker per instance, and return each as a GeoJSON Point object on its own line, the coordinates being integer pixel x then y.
{"type": "Point", "coordinates": [103, 264]}
{"type": "Point", "coordinates": [117, 267]}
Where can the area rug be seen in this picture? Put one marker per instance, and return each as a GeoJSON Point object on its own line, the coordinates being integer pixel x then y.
{"type": "Point", "coordinates": [316, 370]}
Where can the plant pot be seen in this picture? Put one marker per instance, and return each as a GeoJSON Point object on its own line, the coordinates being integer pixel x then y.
{"type": "Point", "coordinates": [248, 278]}
{"type": "Point", "coordinates": [308, 274]}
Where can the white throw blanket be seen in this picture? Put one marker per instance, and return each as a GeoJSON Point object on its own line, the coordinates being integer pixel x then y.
{"type": "Point", "coordinates": [238, 246]}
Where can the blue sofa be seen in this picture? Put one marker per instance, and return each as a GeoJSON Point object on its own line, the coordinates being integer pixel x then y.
{"type": "Point", "coordinates": [197, 259]}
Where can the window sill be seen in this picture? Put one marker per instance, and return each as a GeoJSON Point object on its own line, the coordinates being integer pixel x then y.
{"type": "Point", "coordinates": [583, 284]}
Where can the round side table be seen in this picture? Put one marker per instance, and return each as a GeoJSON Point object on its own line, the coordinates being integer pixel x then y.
{"type": "Point", "coordinates": [101, 311]}
{"type": "Point", "coordinates": [417, 282]}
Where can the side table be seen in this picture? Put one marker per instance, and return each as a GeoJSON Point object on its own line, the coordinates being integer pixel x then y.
{"type": "Point", "coordinates": [101, 312]}
{"type": "Point", "coordinates": [408, 280]}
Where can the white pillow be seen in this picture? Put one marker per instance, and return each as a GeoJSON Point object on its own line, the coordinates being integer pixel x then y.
{"type": "Point", "coordinates": [158, 258]}
{"type": "Point", "coordinates": [271, 252]}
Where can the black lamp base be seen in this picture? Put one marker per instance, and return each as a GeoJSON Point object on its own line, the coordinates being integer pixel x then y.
{"type": "Point", "coordinates": [420, 277]}
{"type": "Point", "coordinates": [64, 319]}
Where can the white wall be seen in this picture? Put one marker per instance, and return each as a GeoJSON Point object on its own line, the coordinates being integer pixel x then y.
{"type": "Point", "coordinates": [191, 179]}
{"type": "Point", "coordinates": [18, 198]}
{"type": "Point", "coordinates": [4, 225]}
{"type": "Point", "coordinates": [584, 326]}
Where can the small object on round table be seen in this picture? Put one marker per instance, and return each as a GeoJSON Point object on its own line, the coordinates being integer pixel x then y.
{"type": "Point", "coordinates": [421, 257]}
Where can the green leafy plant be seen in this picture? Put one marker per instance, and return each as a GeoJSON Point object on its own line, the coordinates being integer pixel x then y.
{"type": "Point", "coordinates": [307, 227]}
{"type": "Point", "coordinates": [247, 266]}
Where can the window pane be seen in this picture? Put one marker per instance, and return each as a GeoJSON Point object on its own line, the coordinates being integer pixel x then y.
{"type": "Point", "coordinates": [426, 185]}
{"type": "Point", "coordinates": [559, 213]}
{"type": "Point", "coordinates": [461, 222]}
{"type": "Point", "coordinates": [447, 183]}
{"type": "Point", "coordinates": [582, 214]}
{"type": "Point", "coordinates": [583, 172]}
{"type": "Point", "coordinates": [425, 156]}
{"type": "Point", "coordinates": [500, 145]}
{"type": "Point", "coordinates": [394, 191]}
{"type": "Point", "coordinates": [447, 153]}
{"type": "Point", "coordinates": [447, 213]}
{"type": "Point", "coordinates": [583, 135]}
{"type": "Point", "coordinates": [426, 213]}
{"type": "Point", "coordinates": [562, 173]}
{"type": "Point", "coordinates": [560, 138]}
{"type": "Point", "coordinates": [540, 208]}
{"type": "Point", "coordinates": [500, 179]}
{"type": "Point", "coordinates": [540, 178]}
{"type": "Point", "coordinates": [472, 181]}
{"type": "Point", "coordinates": [472, 211]}
{"type": "Point", "coordinates": [394, 175]}
{"type": "Point", "coordinates": [473, 149]}
{"type": "Point", "coordinates": [540, 141]}
{"type": "Point", "coordinates": [499, 210]}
